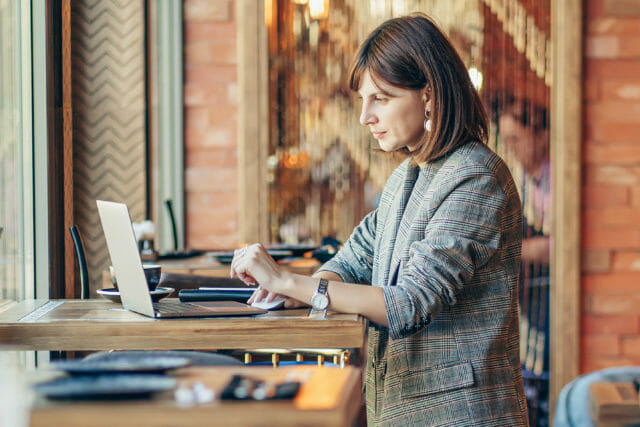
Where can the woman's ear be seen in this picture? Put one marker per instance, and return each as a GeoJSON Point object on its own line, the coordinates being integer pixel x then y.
{"type": "Point", "coordinates": [426, 94]}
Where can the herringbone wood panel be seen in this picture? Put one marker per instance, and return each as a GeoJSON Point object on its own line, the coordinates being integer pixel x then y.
{"type": "Point", "coordinates": [108, 85]}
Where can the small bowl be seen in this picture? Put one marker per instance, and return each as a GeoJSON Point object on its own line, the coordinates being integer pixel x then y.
{"type": "Point", "coordinates": [113, 294]}
{"type": "Point", "coordinates": [152, 272]}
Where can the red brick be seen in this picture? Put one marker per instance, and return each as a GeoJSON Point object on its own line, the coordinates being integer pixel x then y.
{"type": "Point", "coordinates": [596, 195]}
{"type": "Point", "coordinates": [604, 132]}
{"type": "Point", "coordinates": [597, 363]}
{"type": "Point", "coordinates": [597, 237]}
{"type": "Point", "coordinates": [611, 189]}
{"type": "Point", "coordinates": [610, 25]}
{"type": "Point", "coordinates": [211, 179]}
{"type": "Point", "coordinates": [211, 52]}
{"type": "Point", "coordinates": [197, 118]}
{"type": "Point", "coordinates": [205, 118]}
{"type": "Point", "coordinates": [211, 100]}
{"type": "Point", "coordinates": [613, 217]}
{"type": "Point", "coordinates": [619, 304]}
{"type": "Point", "coordinates": [621, 89]}
{"type": "Point", "coordinates": [614, 325]}
{"type": "Point", "coordinates": [629, 47]}
{"type": "Point", "coordinates": [626, 260]}
{"type": "Point", "coordinates": [612, 47]}
{"type": "Point", "coordinates": [630, 345]}
{"type": "Point", "coordinates": [611, 69]}
{"type": "Point", "coordinates": [208, 74]}
{"type": "Point", "coordinates": [612, 282]}
{"type": "Point", "coordinates": [223, 203]}
{"type": "Point", "coordinates": [214, 223]}
{"type": "Point", "coordinates": [207, 10]}
{"type": "Point", "coordinates": [596, 260]}
{"type": "Point", "coordinates": [613, 175]}
{"type": "Point", "coordinates": [635, 196]}
{"type": "Point", "coordinates": [207, 31]}
{"type": "Point", "coordinates": [612, 111]}
{"type": "Point", "coordinates": [622, 7]}
{"type": "Point", "coordinates": [218, 242]}
{"type": "Point", "coordinates": [218, 137]}
{"type": "Point", "coordinates": [227, 116]}
{"type": "Point", "coordinates": [212, 157]}
{"type": "Point", "coordinates": [602, 47]}
{"type": "Point", "coordinates": [613, 153]}
{"type": "Point", "coordinates": [601, 345]}
{"type": "Point", "coordinates": [199, 94]}
{"type": "Point", "coordinates": [591, 90]}
{"type": "Point", "coordinates": [594, 8]}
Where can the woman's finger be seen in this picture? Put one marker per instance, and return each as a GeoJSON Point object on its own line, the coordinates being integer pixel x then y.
{"type": "Point", "coordinates": [239, 267]}
{"type": "Point", "coordinates": [234, 261]}
{"type": "Point", "coordinates": [271, 296]}
{"type": "Point", "coordinates": [247, 279]}
{"type": "Point", "coordinates": [258, 295]}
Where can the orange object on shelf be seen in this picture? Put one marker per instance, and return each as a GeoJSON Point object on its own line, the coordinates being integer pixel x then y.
{"type": "Point", "coordinates": [323, 388]}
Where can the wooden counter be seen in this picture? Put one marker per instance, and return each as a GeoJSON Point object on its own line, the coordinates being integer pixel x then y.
{"type": "Point", "coordinates": [103, 325]}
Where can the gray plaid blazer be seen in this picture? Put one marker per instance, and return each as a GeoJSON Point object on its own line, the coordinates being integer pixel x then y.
{"type": "Point", "coordinates": [444, 244]}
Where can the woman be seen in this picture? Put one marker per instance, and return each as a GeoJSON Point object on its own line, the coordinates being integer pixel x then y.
{"type": "Point", "coordinates": [441, 252]}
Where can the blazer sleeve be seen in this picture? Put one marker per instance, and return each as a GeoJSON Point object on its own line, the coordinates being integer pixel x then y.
{"type": "Point", "coordinates": [354, 262]}
{"type": "Point", "coordinates": [462, 232]}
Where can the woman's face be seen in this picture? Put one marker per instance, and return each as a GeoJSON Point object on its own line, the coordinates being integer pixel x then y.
{"type": "Point", "coordinates": [395, 116]}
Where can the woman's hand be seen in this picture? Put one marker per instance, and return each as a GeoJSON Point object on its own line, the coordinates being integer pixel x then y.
{"type": "Point", "coordinates": [261, 294]}
{"type": "Point", "coordinates": [253, 265]}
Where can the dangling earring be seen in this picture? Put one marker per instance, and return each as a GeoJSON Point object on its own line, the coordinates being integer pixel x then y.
{"type": "Point", "coordinates": [427, 121]}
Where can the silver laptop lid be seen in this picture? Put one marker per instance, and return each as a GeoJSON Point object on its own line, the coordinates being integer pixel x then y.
{"type": "Point", "coordinates": [125, 258]}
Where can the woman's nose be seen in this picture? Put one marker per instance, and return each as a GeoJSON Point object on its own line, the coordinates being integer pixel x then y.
{"type": "Point", "coordinates": [366, 117]}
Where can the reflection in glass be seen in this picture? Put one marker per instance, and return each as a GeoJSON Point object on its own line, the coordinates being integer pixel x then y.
{"type": "Point", "coordinates": [15, 154]}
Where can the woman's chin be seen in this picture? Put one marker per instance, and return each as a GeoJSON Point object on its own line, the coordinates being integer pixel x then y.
{"type": "Point", "coordinates": [388, 148]}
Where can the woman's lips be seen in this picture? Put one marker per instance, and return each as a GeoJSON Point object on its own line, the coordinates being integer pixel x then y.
{"type": "Point", "coordinates": [378, 135]}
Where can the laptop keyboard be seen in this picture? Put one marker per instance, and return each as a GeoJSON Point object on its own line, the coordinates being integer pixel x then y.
{"type": "Point", "coordinates": [175, 307]}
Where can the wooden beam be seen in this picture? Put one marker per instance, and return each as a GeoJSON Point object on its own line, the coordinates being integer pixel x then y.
{"type": "Point", "coordinates": [71, 290]}
{"type": "Point", "coordinates": [253, 121]}
{"type": "Point", "coordinates": [566, 138]}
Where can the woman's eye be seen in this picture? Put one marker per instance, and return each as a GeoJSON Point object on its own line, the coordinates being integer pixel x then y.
{"type": "Point", "coordinates": [380, 99]}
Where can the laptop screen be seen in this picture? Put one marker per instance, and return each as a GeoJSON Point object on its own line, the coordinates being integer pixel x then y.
{"type": "Point", "coordinates": [121, 242]}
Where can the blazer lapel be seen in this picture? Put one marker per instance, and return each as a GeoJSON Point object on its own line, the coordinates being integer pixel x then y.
{"type": "Point", "coordinates": [411, 208]}
{"type": "Point", "coordinates": [392, 238]}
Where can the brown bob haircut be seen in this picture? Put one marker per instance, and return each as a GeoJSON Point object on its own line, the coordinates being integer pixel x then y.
{"type": "Point", "coordinates": [410, 52]}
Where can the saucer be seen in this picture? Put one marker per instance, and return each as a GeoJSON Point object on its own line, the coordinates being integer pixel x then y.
{"type": "Point", "coordinates": [139, 363]}
{"type": "Point", "coordinates": [111, 386]}
{"type": "Point", "coordinates": [112, 294]}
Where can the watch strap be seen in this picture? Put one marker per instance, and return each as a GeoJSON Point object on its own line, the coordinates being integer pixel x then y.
{"type": "Point", "coordinates": [323, 286]}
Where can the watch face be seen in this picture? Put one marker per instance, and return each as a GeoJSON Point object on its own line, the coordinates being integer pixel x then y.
{"type": "Point", "coordinates": [319, 301]}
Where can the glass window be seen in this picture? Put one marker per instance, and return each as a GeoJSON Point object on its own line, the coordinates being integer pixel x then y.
{"type": "Point", "coordinates": [16, 171]}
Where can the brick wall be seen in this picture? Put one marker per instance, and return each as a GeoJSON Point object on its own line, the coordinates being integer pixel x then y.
{"type": "Point", "coordinates": [211, 108]}
{"type": "Point", "coordinates": [611, 185]}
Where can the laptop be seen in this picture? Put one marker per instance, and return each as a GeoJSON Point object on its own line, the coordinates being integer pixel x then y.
{"type": "Point", "coordinates": [132, 284]}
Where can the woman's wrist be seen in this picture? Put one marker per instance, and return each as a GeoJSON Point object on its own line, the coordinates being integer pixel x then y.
{"type": "Point", "coordinates": [285, 282]}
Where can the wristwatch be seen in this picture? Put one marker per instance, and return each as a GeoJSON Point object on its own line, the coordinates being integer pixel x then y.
{"type": "Point", "coordinates": [320, 300]}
